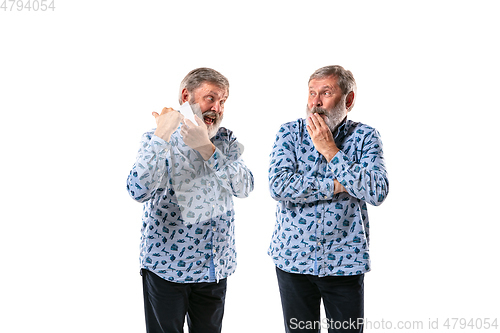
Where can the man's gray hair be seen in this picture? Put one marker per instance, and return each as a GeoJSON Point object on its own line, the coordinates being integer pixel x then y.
{"type": "Point", "coordinates": [345, 79]}
{"type": "Point", "coordinates": [197, 77]}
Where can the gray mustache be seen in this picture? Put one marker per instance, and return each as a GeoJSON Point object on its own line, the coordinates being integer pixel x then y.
{"type": "Point", "coordinates": [211, 114]}
{"type": "Point", "coordinates": [318, 110]}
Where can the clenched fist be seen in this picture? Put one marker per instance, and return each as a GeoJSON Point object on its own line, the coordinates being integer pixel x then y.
{"type": "Point", "coordinates": [167, 122]}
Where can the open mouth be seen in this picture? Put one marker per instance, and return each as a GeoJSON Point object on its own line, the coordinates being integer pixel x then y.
{"type": "Point", "coordinates": [209, 120]}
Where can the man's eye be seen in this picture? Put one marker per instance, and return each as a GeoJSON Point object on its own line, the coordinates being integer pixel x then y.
{"type": "Point", "coordinates": [327, 93]}
{"type": "Point", "coordinates": [222, 102]}
{"type": "Point", "coordinates": [312, 93]}
{"type": "Point", "coordinates": [210, 98]}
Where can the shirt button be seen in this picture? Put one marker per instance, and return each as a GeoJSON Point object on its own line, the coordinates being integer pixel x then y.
{"type": "Point", "coordinates": [319, 243]}
{"type": "Point", "coordinates": [319, 221]}
{"type": "Point", "coordinates": [214, 229]}
{"type": "Point", "coordinates": [213, 251]}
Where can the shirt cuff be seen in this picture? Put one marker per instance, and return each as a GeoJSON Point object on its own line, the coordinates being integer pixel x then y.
{"type": "Point", "coordinates": [216, 161]}
{"type": "Point", "coordinates": [327, 189]}
{"type": "Point", "coordinates": [159, 146]}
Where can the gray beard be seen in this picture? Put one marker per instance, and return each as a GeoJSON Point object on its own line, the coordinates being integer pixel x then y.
{"type": "Point", "coordinates": [212, 129]}
{"type": "Point", "coordinates": [334, 117]}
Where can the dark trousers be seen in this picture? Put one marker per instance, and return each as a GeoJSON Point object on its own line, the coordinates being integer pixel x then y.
{"type": "Point", "coordinates": [166, 304]}
{"type": "Point", "coordinates": [301, 296]}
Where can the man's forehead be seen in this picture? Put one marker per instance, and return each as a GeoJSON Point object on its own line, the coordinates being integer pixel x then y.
{"type": "Point", "coordinates": [326, 82]}
{"type": "Point", "coordinates": [213, 89]}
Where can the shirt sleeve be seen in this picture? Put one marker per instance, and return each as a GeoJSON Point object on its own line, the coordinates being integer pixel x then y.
{"type": "Point", "coordinates": [365, 179]}
{"type": "Point", "coordinates": [230, 170]}
{"type": "Point", "coordinates": [149, 169]}
{"type": "Point", "coordinates": [285, 183]}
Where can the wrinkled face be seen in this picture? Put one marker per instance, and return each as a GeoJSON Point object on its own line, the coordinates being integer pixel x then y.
{"type": "Point", "coordinates": [326, 99]}
{"type": "Point", "coordinates": [207, 102]}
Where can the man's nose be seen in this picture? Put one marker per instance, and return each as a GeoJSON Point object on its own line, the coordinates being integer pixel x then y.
{"type": "Point", "coordinates": [217, 107]}
{"type": "Point", "coordinates": [317, 101]}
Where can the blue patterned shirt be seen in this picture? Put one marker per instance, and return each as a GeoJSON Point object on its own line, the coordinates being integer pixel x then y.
{"type": "Point", "coordinates": [187, 230]}
{"type": "Point", "coordinates": [318, 232]}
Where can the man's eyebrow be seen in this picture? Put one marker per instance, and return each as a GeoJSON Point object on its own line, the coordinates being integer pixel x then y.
{"type": "Point", "coordinates": [211, 92]}
{"type": "Point", "coordinates": [223, 96]}
{"type": "Point", "coordinates": [324, 87]}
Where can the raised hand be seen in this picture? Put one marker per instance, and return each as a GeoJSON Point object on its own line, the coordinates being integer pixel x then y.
{"type": "Point", "coordinates": [167, 122]}
{"type": "Point", "coordinates": [321, 136]}
{"type": "Point", "coordinates": [197, 138]}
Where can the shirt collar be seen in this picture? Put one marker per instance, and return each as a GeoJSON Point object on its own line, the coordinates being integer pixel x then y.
{"type": "Point", "coordinates": [341, 130]}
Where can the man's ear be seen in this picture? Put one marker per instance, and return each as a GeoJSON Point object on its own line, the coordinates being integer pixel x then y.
{"type": "Point", "coordinates": [185, 95]}
{"type": "Point", "coordinates": [349, 101]}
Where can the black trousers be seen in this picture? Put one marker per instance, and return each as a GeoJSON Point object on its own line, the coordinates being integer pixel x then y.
{"type": "Point", "coordinates": [301, 294]}
{"type": "Point", "coordinates": [166, 304]}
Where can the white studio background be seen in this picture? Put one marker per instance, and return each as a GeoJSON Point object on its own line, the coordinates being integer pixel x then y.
{"type": "Point", "coordinates": [77, 88]}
